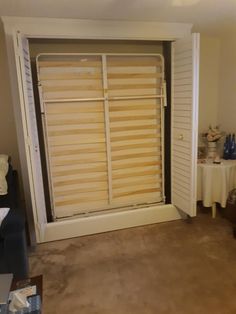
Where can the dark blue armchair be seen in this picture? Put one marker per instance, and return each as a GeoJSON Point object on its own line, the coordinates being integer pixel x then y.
{"type": "Point", "coordinates": [13, 247]}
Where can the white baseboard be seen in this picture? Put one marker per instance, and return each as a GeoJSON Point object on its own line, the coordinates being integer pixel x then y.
{"type": "Point", "coordinates": [109, 221]}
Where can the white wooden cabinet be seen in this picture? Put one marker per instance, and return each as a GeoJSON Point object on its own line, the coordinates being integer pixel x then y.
{"type": "Point", "coordinates": [185, 65]}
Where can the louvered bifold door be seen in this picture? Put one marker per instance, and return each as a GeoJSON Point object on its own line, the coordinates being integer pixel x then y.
{"type": "Point", "coordinates": [74, 123]}
{"type": "Point", "coordinates": [185, 76]}
{"type": "Point", "coordinates": [30, 131]}
{"type": "Point", "coordinates": [135, 86]}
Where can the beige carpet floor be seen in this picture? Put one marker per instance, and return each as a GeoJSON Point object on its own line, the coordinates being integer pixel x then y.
{"type": "Point", "coordinates": [168, 268]}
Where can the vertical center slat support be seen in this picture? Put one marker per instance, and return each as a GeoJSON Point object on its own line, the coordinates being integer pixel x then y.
{"type": "Point", "coordinates": [107, 126]}
{"type": "Point", "coordinates": [163, 105]}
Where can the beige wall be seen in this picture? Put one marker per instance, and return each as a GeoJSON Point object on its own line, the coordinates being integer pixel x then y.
{"type": "Point", "coordinates": [8, 140]}
{"type": "Point", "coordinates": [209, 82]}
{"type": "Point", "coordinates": [93, 46]}
{"type": "Point", "coordinates": [227, 99]}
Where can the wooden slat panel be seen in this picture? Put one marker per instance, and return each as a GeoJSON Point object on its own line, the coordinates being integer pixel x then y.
{"type": "Point", "coordinates": [133, 128]}
{"type": "Point", "coordinates": [63, 140]}
{"type": "Point", "coordinates": [69, 188]}
{"type": "Point", "coordinates": [145, 144]}
{"type": "Point", "coordinates": [134, 107]}
{"type": "Point", "coordinates": [140, 83]}
{"type": "Point", "coordinates": [84, 179]}
{"type": "Point", "coordinates": [139, 137]}
{"type": "Point", "coordinates": [75, 107]}
{"type": "Point", "coordinates": [140, 141]}
{"type": "Point", "coordinates": [122, 159]}
{"type": "Point", "coordinates": [134, 92]}
{"type": "Point", "coordinates": [133, 62]}
{"type": "Point", "coordinates": [131, 75]}
{"type": "Point", "coordinates": [69, 64]}
{"type": "Point", "coordinates": [134, 70]}
{"type": "Point", "coordinates": [74, 121]}
{"type": "Point", "coordinates": [94, 169]}
{"type": "Point", "coordinates": [78, 159]}
{"type": "Point", "coordinates": [80, 77]}
{"type": "Point", "coordinates": [80, 128]}
{"type": "Point", "coordinates": [134, 123]}
{"type": "Point", "coordinates": [82, 174]}
{"type": "Point", "coordinates": [134, 155]}
{"type": "Point", "coordinates": [74, 209]}
{"type": "Point", "coordinates": [46, 76]}
{"type": "Point", "coordinates": [138, 199]}
{"type": "Point", "coordinates": [70, 83]}
{"type": "Point", "coordinates": [133, 82]}
{"type": "Point", "coordinates": [137, 164]}
{"type": "Point", "coordinates": [137, 192]}
{"type": "Point", "coordinates": [135, 150]}
{"type": "Point", "coordinates": [97, 116]}
{"type": "Point", "coordinates": [135, 173]}
{"type": "Point", "coordinates": [76, 130]}
{"type": "Point", "coordinates": [70, 88]}
{"type": "Point", "coordinates": [76, 139]}
{"type": "Point", "coordinates": [133, 113]}
{"type": "Point", "coordinates": [84, 196]}
{"type": "Point", "coordinates": [69, 150]}
{"type": "Point", "coordinates": [82, 94]}
{"type": "Point", "coordinates": [133, 86]}
{"type": "Point", "coordinates": [130, 182]}
{"type": "Point", "coordinates": [73, 192]}
{"type": "Point", "coordinates": [132, 189]}
{"type": "Point", "coordinates": [134, 117]}
{"type": "Point", "coordinates": [81, 199]}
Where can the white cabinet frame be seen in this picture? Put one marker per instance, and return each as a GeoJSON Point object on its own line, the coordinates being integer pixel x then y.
{"type": "Point", "coordinates": [81, 29]}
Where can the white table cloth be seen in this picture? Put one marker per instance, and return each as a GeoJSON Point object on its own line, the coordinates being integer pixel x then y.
{"type": "Point", "coordinates": [215, 181]}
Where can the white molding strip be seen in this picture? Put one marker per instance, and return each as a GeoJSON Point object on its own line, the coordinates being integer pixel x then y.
{"type": "Point", "coordinates": [111, 221]}
{"type": "Point", "coordinates": [96, 29]}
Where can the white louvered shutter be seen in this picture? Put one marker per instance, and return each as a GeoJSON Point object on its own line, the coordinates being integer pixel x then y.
{"type": "Point", "coordinates": [31, 132]}
{"type": "Point", "coordinates": [185, 81]}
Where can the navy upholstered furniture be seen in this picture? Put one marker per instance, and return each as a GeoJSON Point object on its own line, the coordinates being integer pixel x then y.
{"type": "Point", "coordinates": [13, 247]}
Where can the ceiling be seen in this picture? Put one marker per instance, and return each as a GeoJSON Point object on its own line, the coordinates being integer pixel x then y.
{"type": "Point", "coordinates": [208, 16]}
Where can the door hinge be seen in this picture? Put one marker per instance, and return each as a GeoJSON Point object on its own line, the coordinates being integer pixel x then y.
{"type": "Point", "coordinates": [18, 45]}
{"type": "Point", "coordinates": [164, 94]}
{"type": "Point", "coordinates": [28, 141]}
{"type": "Point", "coordinates": [41, 97]}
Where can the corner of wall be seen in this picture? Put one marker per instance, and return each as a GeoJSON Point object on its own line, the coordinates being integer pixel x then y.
{"type": "Point", "coordinates": [209, 81]}
{"type": "Point", "coordinates": [227, 79]}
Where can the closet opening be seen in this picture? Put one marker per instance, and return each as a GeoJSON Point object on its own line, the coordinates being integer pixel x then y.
{"type": "Point", "coordinates": [104, 129]}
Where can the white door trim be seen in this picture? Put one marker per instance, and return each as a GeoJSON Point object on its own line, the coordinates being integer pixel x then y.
{"type": "Point", "coordinates": [76, 29]}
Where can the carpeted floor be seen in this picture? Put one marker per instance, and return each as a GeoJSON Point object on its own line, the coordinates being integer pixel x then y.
{"type": "Point", "coordinates": [168, 268]}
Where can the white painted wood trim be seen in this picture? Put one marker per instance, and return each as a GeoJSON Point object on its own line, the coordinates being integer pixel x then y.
{"type": "Point", "coordinates": [107, 126]}
{"type": "Point", "coordinates": [62, 28]}
{"type": "Point", "coordinates": [96, 29]}
{"type": "Point", "coordinates": [195, 109]}
{"type": "Point", "coordinates": [111, 221]}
